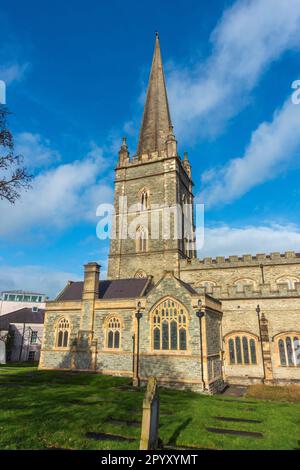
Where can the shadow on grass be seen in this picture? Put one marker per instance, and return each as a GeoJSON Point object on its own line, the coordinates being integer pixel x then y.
{"type": "Point", "coordinates": [173, 439]}
{"type": "Point", "coordinates": [49, 402]}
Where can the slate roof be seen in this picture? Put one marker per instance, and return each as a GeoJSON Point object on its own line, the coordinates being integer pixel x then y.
{"type": "Point", "coordinates": [188, 287]}
{"type": "Point", "coordinates": [23, 315]}
{"type": "Point", "coordinates": [109, 289]}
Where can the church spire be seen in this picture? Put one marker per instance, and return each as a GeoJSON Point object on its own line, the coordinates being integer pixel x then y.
{"type": "Point", "coordinates": [156, 121]}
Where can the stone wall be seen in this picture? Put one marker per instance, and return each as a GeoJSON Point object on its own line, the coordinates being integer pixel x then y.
{"type": "Point", "coordinates": [52, 357]}
{"type": "Point", "coordinates": [262, 269]}
{"type": "Point", "coordinates": [279, 303]}
{"type": "Point", "coordinates": [172, 368]}
{"type": "Point", "coordinates": [167, 183]}
{"type": "Point", "coordinates": [117, 362]}
{"type": "Point", "coordinates": [239, 315]}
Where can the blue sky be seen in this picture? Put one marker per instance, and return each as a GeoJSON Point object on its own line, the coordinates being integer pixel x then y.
{"type": "Point", "coordinates": [76, 77]}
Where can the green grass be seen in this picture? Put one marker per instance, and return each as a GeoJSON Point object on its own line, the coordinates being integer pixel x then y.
{"type": "Point", "coordinates": [41, 410]}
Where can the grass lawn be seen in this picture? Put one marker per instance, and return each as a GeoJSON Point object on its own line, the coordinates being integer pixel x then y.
{"type": "Point", "coordinates": [44, 410]}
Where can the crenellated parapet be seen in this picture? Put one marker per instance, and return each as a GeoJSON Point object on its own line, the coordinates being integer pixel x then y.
{"type": "Point", "coordinates": [249, 292]}
{"type": "Point", "coordinates": [289, 257]}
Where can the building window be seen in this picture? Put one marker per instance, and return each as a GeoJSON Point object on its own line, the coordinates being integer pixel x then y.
{"type": "Point", "coordinates": [141, 240]}
{"type": "Point", "coordinates": [208, 286]}
{"type": "Point", "coordinates": [113, 333]}
{"type": "Point", "coordinates": [241, 349]}
{"type": "Point", "coordinates": [289, 350]}
{"type": "Point", "coordinates": [169, 326]}
{"type": "Point", "coordinates": [290, 282]}
{"type": "Point", "coordinates": [31, 356]}
{"type": "Point", "coordinates": [144, 199]}
{"type": "Point", "coordinates": [242, 283]}
{"type": "Point", "coordinates": [140, 274]}
{"type": "Point", "coordinates": [34, 337]}
{"type": "Point", "coordinates": [63, 333]}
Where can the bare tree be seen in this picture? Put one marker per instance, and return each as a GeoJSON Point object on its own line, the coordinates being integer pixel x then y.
{"type": "Point", "coordinates": [13, 176]}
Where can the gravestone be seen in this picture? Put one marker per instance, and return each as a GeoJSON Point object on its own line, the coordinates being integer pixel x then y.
{"type": "Point", "coordinates": [149, 433]}
{"type": "Point", "coordinates": [2, 352]}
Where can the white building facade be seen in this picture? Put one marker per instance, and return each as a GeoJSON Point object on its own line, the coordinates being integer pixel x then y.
{"type": "Point", "coordinates": [13, 300]}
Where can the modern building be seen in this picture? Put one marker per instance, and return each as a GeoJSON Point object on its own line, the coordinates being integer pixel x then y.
{"type": "Point", "coordinates": [22, 333]}
{"type": "Point", "coordinates": [192, 323]}
{"type": "Point", "coordinates": [11, 300]}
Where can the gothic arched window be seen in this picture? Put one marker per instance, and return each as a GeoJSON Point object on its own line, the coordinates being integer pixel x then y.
{"type": "Point", "coordinates": [241, 349]}
{"type": "Point", "coordinates": [141, 240]}
{"type": "Point", "coordinates": [169, 326]}
{"type": "Point", "coordinates": [208, 285]}
{"type": "Point", "coordinates": [289, 349]}
{"type": "Point", "coordinates": [63, 333]}
{"type": "Point", "coordinates": [242, 283]}
{"type": "Point", "coordinates": [140, 274]}
{"type": "Point", "coordinates": [289, 281]}
{"type": "Point", "coordinates": [144, 200]}
{"type": "Point", "coordinates": [113, 333]}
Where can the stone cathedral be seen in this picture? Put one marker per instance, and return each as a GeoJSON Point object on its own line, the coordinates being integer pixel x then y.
{"type": "Point", "coordinates": [192, 323]}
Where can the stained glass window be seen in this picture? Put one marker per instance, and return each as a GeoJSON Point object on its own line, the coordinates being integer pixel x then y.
{"type": "Point", "coordinates": [174, 335]}
{"type": "Point", "coordinates": [169, 322]}
{"type": "Point", "coordinates": [156, 338]}
{"type": "Point", "coordinates": [182, 339]}
{"type": "Point", "coordinates": [253, 351]}
{"type": "Point", "coordinates": [63, 329]}
{"type": "Point", "coordinates": [231, 352]}
{"type": "Point", "coordinates": [238, 350]}
{"type": "Point", "coordinates": [165, 335]}
{"type": "Point", "coordinates": [289, 350]}
{"type": "Point", "coordinates": [113, 333]}
{"type": "Point", "coordinates": [110, 339]}
{"type": "Point", "coordinates": [297, 350]}
{"type": "Point", "coordinates": [245, 350]}
{"type": "Point", "coordinates": [282, 355]}
{"type": "Point", "coordinates": [241, 350]}
{"type": "Point", "coordinates": [60, 339]}
{"type": "Point", "coordinates": [117, 339]}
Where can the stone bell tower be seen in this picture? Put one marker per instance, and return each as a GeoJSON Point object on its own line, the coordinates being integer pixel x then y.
{"type": "Point", "coordinates": [148, 187]}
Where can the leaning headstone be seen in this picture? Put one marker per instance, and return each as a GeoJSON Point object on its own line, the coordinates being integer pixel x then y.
{"type": "Point", "coordinates": [149, 434]}
{"type": "Point", "coordinates": [2, 352]}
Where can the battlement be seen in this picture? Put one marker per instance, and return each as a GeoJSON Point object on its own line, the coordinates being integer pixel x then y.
{"type": "Point", "coordinates": [240, 261]}
{"type": "Point", "coordinates": [149, 157]}
{"type": "Point", "coordinates": [249, 292]}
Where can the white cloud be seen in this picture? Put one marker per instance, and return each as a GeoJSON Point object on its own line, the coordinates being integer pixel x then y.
{"type": "Point", "coordinates": [35, 278]}
{"type": "Point", "coordinates": [249, 37]}
{"type": "Point", "coordinates": [226, 240]}
{"type": "Point", "coordinates": [130, 128]}
{"type": "Point", "coordinates": [271, 148]}
{"type": "Point", "coordinates": [13, 72]}
{"type": "Point", "coordinates": [36, 150]}
{"type": "Point", "coordinates": [60, 197]}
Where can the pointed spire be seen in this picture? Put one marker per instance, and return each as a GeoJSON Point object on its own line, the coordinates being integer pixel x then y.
{"type": "Point", "coordinates": [123, 153]}
{"type": "Point", "coordinates": [186, 164]}
{"type": "Point", "coordinates": [124, 144]}
{"type": "Point", "coordinates": [156, 118]}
